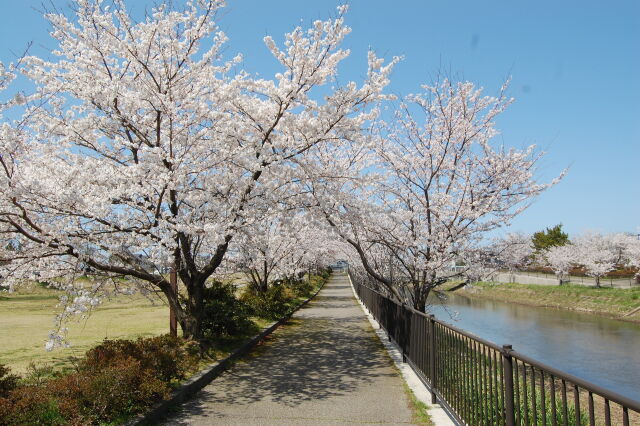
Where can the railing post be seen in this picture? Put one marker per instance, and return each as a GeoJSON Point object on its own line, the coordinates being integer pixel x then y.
{"type": "Point", "coordinates": [432, 357]}
{"type": "Point", "coordinates": [507, 364]}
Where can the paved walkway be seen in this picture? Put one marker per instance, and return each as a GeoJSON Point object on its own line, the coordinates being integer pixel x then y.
{"type": "Point", "coordinates": [326, 367]}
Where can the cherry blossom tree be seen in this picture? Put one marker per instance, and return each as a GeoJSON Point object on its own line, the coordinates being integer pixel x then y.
{"type": "Point", "coordinates": [561, 259]}
{"type": "Point", "coordinates": [11, 135]}
{"type": "Point", "coordinates": [152, 152]}
{"type": "Point", "coordinates": [632, 254]}
{"type": "Point", "coordinates": [480, 264]}
{"type": "Point", "coordinates": [514, 251]}
{"type": "Point", "coordinates": [268, 248]}
{"type": "Point", "coordinates": [281, 247]}
{"type": "Point", "coordinates": [440, 182]}
{"type": "Point", "coordinates": [598, 254]}
{"type": "Point", "coordinates": [628, 247]}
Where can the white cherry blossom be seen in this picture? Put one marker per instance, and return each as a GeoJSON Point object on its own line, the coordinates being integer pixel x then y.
{"type": "Point", "coordinates": [145, 151]}
{"type": "Point", "coordinates": [439, 182]}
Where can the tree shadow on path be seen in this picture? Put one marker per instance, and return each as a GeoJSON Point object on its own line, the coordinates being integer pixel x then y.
{"type": "Point", "coordinates": [328, 350]}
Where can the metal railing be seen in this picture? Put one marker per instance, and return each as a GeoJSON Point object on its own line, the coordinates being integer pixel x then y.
{"type": "Point", "coordinates": [481, 383]}
{"type": "Point", "coordinates": [516, 276]}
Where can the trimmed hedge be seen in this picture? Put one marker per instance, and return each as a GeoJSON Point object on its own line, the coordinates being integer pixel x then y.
{"type": "Point", "coordinates": [113, 381]}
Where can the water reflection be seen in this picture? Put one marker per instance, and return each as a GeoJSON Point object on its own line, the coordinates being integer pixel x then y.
{"type": "Point", "coordinates": [601, 350]}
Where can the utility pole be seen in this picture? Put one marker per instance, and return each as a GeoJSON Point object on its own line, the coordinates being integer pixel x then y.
{"type": "Point", "coordinates": [173, 322]}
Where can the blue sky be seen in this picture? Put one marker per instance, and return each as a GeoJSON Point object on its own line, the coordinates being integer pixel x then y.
{"type": "Point", "coordinates": [575, 68]}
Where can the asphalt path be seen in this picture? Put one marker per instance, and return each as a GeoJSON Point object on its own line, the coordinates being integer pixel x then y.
{"type": "Point", "coordinates": [326, 367]}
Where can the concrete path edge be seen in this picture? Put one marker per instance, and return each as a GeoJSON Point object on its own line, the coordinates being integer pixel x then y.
{"type": "Point", "coordinates": [201, 379]}
{"type": "Point", "coordinates": [439, 415]}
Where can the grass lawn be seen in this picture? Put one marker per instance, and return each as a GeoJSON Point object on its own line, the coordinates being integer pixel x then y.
{"type": "Point", "coordinates": [611, 302]}
{"type": "Point", "coordinates": [27, 316]}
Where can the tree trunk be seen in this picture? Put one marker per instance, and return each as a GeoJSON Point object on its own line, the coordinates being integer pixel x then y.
{"type": "Point", "coordinates": [259, 282]}
{"type": "Point", "coordinates": [264, 284]}
{"type": "Point", "coordinates": [195, 310]}
{"type": "Point", "coordinates": [190, 313]}
{"type": "Point", "coordinates": [420, 295]}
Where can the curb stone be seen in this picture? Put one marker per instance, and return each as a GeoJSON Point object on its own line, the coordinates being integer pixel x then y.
{"type": "Point", "coordinates": [188, 388]}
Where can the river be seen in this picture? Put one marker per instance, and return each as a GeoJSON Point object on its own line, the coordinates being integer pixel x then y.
{"type": "Point", "coordinates": [601, 350]}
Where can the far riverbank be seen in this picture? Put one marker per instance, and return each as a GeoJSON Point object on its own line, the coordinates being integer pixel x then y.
{"type": "Point", "coordinates": [621, 304]}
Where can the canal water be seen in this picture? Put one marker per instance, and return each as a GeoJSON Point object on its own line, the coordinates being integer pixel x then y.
{"type": "Point", "coordinates": [601, 350]}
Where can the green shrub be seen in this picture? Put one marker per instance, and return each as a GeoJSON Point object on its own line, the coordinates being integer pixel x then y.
{"type": "Point", "coordinates": [120, 388]}
{"type": "Point", "coordinates": [38, 374]}
{"type": "Point", "coordinates": [114, 380]}
{"type": "Point", "coordinates": [224, 314]}
{"type": "Point", "coordinates": [169, 358]}
{"type": "Point", "coordinates": [281, 296]}
{"type": "Point", "coordinates": [272, 304]}
{"type": "Point", "coordinates": [31, 406]}
{"type": "Point", "coordinates": [304, 287]}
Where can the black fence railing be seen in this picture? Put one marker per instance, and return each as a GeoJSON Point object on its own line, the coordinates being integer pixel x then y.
{"type": "Point", "coordinates": [481, 383]}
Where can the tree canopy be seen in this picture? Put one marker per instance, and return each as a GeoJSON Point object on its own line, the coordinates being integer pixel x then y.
{"type": "Point", "coordinates": [141, 150]}
{"type": "Point", "coordinates": [550, 237]}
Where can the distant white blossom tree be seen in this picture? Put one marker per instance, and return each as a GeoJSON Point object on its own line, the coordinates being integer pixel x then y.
{"type": "Point", "coordinates": [561, 259]}
{"type": "Point", "coordinates": [632, 253]}
{"type": "Point", "coordinates": [628, 248]}
{"type": "Point", "coordinates": [514, 251]}
{"type": "Point", "coordinates": [597, 253]}
{"type": "Point", "coordinates": [481, 264]}
{"type": "Point", "coordinates": [280, 247]}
